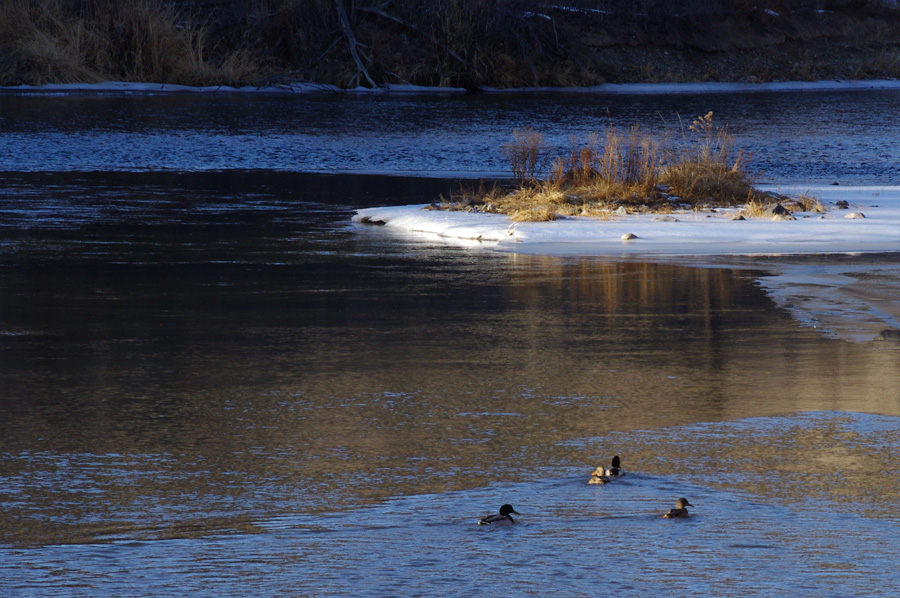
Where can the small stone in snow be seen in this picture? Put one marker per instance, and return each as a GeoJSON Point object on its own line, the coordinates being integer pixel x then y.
{"type": "Point", "coordinates": [854, 215]}
{"type": "Point", "coordinates": [665, 219]}
{"type": "Point", "coordinates": [629, 236]}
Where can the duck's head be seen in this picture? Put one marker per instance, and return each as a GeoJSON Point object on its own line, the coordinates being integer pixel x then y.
{"type": "Point", "coordinates": [505, 510]}
{"type": "Point", "coordinates": [615, 462]}
{"type": "Point", "coordinates": [682, 503]}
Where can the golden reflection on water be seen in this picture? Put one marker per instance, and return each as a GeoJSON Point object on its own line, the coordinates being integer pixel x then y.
{"type": "Point", "coordinates": [822, 460]}
{"type": "Point", "coordinates": [482, 379]}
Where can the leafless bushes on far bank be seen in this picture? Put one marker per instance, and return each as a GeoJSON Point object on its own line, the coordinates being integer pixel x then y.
{"type": "Point", "coordinates": [460, 43]}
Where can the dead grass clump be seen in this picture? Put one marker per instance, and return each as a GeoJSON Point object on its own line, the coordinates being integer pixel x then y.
{"type": "Point", "coordinates": [482, 199]}
{"type": "Point", "coordinates": [755, 208]}
{"type": "Point", "coordinates": [535, 203]}
{"type": "Point", "coordinates": [886, 63]}
{"type": "Point", "coordinates": [616, 166]}
{"type": "Point", "coordinates": [707, 171]}
{"type": "Point", "coordinates": [535, 214]}
{"type": "Point", "coordinates": [632, 169]}
{"type": "Point", "coordinates": [525, 154]}
{"type": "Point", "coordinates": [40, 43]}
{"type": "Point", "coordinates": [146, 43]}
{"type": "Point", "coordinates": [626, 173]}
{"type": "Point", "coordinates": [54, 41]}
{"type": "Point", "coordinates": [758, 206]}
{"type": "Point", "coordinates": [153, 40]}
{"type": "Point", "coordinates": [806, 203]}
{"type": "Point", "coordinates": [707, 184]}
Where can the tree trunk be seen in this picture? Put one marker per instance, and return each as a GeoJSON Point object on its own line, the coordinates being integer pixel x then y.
{"type": "Point", "coordinates": [352, 43]}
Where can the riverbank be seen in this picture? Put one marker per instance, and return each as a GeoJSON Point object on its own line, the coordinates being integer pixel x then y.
{"type": "Point", "coordinates": [464, 45]}
{"type": "Point", "coordinates": [129, 88]}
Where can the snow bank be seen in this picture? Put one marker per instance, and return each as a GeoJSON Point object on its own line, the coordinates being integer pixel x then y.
{"type": "Point", "coordinates": [710, 87]}
{"type": "Point", "coordinates": [124, 87]}
{"type": "Point", "coordinates": [694, 233]}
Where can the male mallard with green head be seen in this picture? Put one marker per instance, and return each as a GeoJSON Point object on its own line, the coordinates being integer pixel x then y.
{"type": "Point", "coordinates": [615, 467]}
{"type": "Point", "coordinates": [501, 518]}
{"type": "Point", "coordinates": [602, 474]}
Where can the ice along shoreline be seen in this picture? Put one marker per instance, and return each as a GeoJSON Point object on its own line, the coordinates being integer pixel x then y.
{"type": "Point", "coordinates": [303, 88]}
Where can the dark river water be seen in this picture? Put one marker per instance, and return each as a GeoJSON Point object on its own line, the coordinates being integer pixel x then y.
{"type": "Point", "coordinates": [213, 383]}
{"type": "Point", "coordinates": [802, 138]}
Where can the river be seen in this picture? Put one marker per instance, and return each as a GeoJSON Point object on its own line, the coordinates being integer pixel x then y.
{"type": "Point", "coordinates": [213, 383]}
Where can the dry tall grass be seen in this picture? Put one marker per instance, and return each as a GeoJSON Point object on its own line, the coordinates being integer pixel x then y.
{"type": "Point", "coordinates": [708, 170]}
{"type": "Point", "coordinates": [55, 41]}
{"type": "Point", "coordinates": [631, 169]}
{"type": "Point", "coordinates": [615, 165]}
{"type": "Point", "coordinates": [525, 153]}
{"type": "Point", "coordinates": [460, 43]}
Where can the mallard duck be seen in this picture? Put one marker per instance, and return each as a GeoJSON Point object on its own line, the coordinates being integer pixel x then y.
{"type": "Point", "coordinates": [600, 476]}
{"type": "Point", "coordinates": [616, 467]}
{"type": "Point", "coordinates": [679, 510]}
{"type": "Point", "coordinates": [502, 518]}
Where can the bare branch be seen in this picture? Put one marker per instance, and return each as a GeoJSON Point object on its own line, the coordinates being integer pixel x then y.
{"type": "Point", "coordinates": [352, 43]}
{"type": "Point", "coordinates": [408, 25]}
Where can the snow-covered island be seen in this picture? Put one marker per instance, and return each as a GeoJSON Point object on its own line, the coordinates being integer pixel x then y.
{"type": "Point", "coordinates": [846, 299]}
{"type": "Point", "coordinates": [870, 222]}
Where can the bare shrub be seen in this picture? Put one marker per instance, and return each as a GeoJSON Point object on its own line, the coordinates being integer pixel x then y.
{"type": "Point", "coordinates": [618, 164]}
{"type": "Point", "coordinates": [713, 142]}
{"type": "Point", "coordinates": [525, 154]}
{"type": "Point", "coordinates": [709, 171]}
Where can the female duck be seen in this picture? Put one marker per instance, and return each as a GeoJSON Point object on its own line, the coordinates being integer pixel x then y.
{"type": "Point", "coordinates": [679, 511]}
{"type": "Point", "coordinates": [502, 518]}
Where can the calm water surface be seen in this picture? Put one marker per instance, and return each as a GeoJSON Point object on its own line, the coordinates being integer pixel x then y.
{"type": "Point", "coordinates": [801, 138]}
{"type": "Point", "coordinates": [212, 382]}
